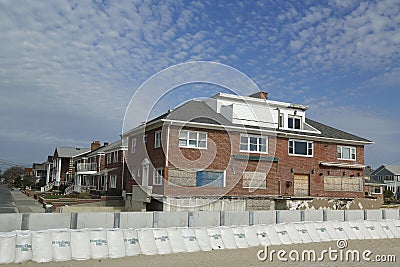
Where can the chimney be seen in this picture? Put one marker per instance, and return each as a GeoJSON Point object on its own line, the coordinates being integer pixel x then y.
{"type": "Point", "coordinates": [260, 94]}
{"type": "Point", "coordinates": [105, 143]}
{"type": "Point", "coordinates": [95, 145]}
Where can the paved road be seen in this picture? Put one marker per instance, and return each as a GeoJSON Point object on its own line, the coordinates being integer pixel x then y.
{"type": "Point", "coordinates": [7, 204]}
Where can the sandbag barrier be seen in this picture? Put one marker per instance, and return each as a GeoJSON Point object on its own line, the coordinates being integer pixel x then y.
{"type": "Point", "coordinates": [83, 244]}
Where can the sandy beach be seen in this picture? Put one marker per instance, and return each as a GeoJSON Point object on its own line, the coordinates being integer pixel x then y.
{"type": "Point", "coordinates": [248, 257]}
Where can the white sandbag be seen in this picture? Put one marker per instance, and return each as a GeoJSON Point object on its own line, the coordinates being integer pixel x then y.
{"type": "Point", "coordinates": [146, 241]}
{"type": "Point", "coordinates": [322, 231]}
{"type": "Point", "coordinates": [262, 235]}
{"type": "Point", "coordinates": [80, 244]}
{"type": "Point", "coordinates": [61, 243]}
{"type": "Point", "coordinates": [42, 250]}
{"type": "Point", "coordinates": [338, 228]}
{"type": "Point", "coordinates": [23, 246]}
{"type": "Point", "coordinates": [162, 241]}
{"type": "Point", "coordinates": [190, 239]}
{"type": "Point", "coordinates": [331, 230]}
{"type": "Point", "coordinates": [240, 237]}
{"type": "Point", "coordinates": [379, 229]}
{"type": "Point", "coordinates": [303, 232]}
{"type": "Point", "coordinates": [372, 229]}
{"type": "Point", "coordinates": [395, 227]}
{"type": "Point", "coordinates": [312, 232]}
{"type": "Point", "coordinates": [227, 237]}
{"type": "Point", "coordinates": [360, 230]}
{"type": "Point", "coordinates": [203, 239]}
{"type": "Point", "coordinates": [7, 247]}
{"type": "Point", "coordinates": [98, 243]}
{"type": "Point", "coordinates": [389, 229]}
{"type": "Point", "coordinates": [272, 235]}
{"type": "Point", "coordinates": [131, 242]}
{"type": "Point", "coordinates": [293, 233]}
{"type": "Point", "coordinates": [176, 240]}
{"type": "Point", "coordinates": [115, 241]}
{"type": "Point", "coordinates": [349, 230]}
{"type": "Point", "coordinates": [214, 234]}
{"type": "Point", "coordinates": [251, 236]}
{"type": "Point", "coordinates": [282, 233]}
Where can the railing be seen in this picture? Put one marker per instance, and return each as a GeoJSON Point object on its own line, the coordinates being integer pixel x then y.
{"type": "Point", "coordinates": [85, 167]}
{"type": "Point", "coordinates": [47, 187]}
{"type": "Point", "coordinates": [69, 190]}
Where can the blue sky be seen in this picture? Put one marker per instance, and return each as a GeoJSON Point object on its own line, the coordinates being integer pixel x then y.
{"type": "Point", "coordinates": [69, 68]}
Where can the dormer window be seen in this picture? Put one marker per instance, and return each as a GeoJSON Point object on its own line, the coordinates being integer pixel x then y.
{"type": "Point", "coordinates": [294, 122]}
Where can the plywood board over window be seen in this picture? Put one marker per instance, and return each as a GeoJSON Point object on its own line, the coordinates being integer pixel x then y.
{"type": "Point", "coordinates": [348, 184]}
{"type": "Point", "coordinates": [301, 185]}
{"type": "Point", "coordinates": [254, 180]}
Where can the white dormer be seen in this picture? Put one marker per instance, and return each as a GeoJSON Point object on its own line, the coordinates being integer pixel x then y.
{"type": "Point", "coordinates": [257, 110]}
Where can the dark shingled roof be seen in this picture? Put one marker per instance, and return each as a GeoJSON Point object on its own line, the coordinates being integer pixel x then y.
{"type": "Point", "coordinates": [330, 132]}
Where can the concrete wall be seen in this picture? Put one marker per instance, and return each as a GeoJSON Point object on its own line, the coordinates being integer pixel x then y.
{"type": "Point", "coordinates": [136, 219]}
{"type": "Point", "coordinates": [41, 221]}
{"type": "Point", "coordinates": [10, 222]}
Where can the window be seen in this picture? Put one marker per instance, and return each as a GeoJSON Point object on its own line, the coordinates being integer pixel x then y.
{"type": "Point", "coordinates": [115, 156]}
{"type": "Point", "coordinates": [113, 181]}
{"type": "Point", "coordinates": [346, 152]}
{"type": "Point", "coordinates": [144, 138]}
{"type": "Point", "coordinates": [133, 145]}
{"type": "Point", "coordinates": [109, 158]}
{"type": "Point", "coordinates": [377, 190]}
{"type": "Point", "coordinates": [294, 122]}
{"type": "Point", "coordinates": [281, 120]}
{"type": "Point", "coordinates": [158, 176]}
{"type": "Point", "coordinates": [253, 143]}
{"type": "Point", "coordinates": [157, 139]}
{"type": "Point", "coordinates": [193, 139]}
{"type": "Point", "coordinates": [210, 178]}
{"type": "Point", "coordinates": [300, 148]}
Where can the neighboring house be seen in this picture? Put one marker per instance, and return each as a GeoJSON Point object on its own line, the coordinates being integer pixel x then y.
{"type": "Point", "coordinates": [63, 167]}
{"type": "Point", "coordinates": [234, 153]}
{"type": "Point", "coordinates": [115, 169]}
{"type": "Point", "coordinates": [390, 176]}
{"type": "Point", "coordinates": [39, 171]}
{"type": "Point", "coordinates": [88, 176]}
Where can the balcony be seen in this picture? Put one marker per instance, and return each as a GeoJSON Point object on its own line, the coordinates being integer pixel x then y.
{"type": "Point", "coordinates": [86, 168]}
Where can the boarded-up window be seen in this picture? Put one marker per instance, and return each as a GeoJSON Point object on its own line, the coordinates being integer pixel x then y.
{"type": "Point", "coordinates": [301, 185]}
{"type": "Point", "coordinates": [254, 180]}
{"type": "Point", "coordinates": [349, 184]}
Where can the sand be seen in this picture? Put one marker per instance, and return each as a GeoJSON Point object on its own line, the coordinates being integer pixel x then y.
{"type": "Point", "coordinates": [246, 257]}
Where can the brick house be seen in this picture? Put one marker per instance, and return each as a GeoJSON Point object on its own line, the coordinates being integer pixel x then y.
{"type": "Point", "coordinates": [99, 172]}
{"type": "Point", "coordinates": [231, 152]}
{"type": "Point", "coordinates": [63, 167]}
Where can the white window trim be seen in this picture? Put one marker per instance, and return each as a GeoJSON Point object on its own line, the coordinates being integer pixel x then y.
{"type": "Point", "coordinates": [295, 117]}
{"type": "Point", "coordinates": [248, 143]}
{"type": "Point", "coordinates": [351, 148]}
{"type": "Point", "coordinates": [300, 155]}
{"type": "Point", "coordinates": [144, 138]}
{"type": "Point", "coordinates": [156, 175]}
{"type": "Point", "coordinates": [197, 139]}
{"type": "Point", "coordinates": [115, 156]}
{"type": "Point", "coordinates": [157, 142]}
{"type": "Point", "coordinates": [113, 185]}
{"type": "Point", "coordinates": [133, 145]}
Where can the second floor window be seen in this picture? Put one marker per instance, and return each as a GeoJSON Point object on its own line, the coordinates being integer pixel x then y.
{"type": "Point", "coordinates": [115, 156]}
{"type": "Point", "coordinates": [157, 139]}
{"type": "Point", "coordinates": [193, 139]}
{"type": "Point", "coordinates": [113, 181]}
{"type": "Point", "coordinates": [253, 143]}
{"type": "Point", "coordinates": [109, 158]}
{"type": "Point", "coordinates": [346, 152]}
{"type": "Point", "coordinates": [133, 145]}
{"type": "Point", "coordinates": [300, 148]}
{"type": "Point", "coordinates": [294, 122]}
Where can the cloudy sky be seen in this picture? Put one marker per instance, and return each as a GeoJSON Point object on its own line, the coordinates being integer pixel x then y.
{"type": "Point", "coordinates": [69, 68]}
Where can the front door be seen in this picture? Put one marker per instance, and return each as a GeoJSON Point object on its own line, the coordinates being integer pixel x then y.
{"type": "Point", "coordinates": [145, 175]}
{"type": "Point", "coordinates": [301, 185]}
